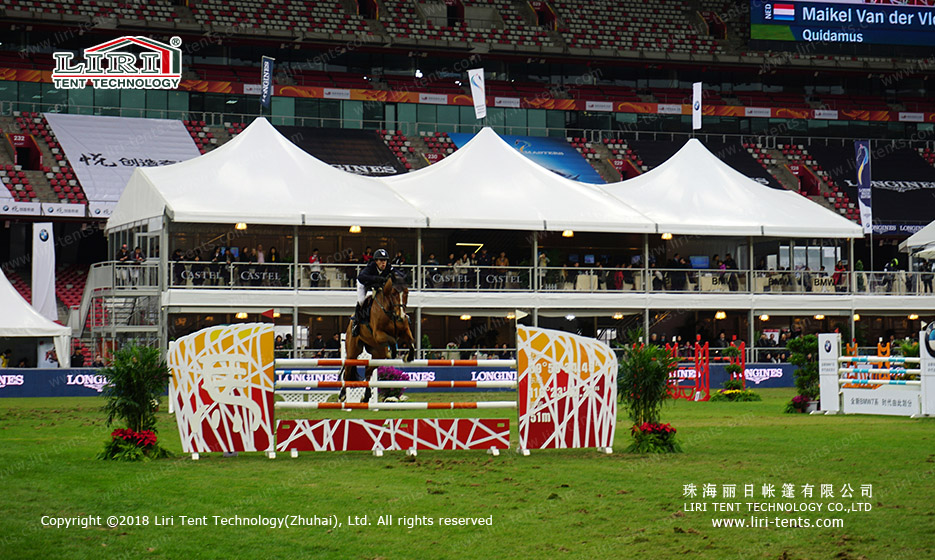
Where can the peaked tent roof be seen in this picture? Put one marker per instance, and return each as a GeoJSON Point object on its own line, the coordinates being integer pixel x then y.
{"type": "Point", "coordinates": [489, 185]}
{"type": "Point", "coordinates": [19, 319]}
{"type": "Point", "coordinates": [921, 238]}
{"type": "Point", "coordinates": [261, 177]}
{"type": "Point", "coordinates": [695, 193]}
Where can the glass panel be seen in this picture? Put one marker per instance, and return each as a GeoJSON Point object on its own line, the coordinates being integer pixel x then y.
{"type": "Point", "coordinates": [156, 103]}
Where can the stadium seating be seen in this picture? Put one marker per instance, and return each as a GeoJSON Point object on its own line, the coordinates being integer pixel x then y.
{"type": "Point", "coordinates": [21, 285]}
{"type": "Point", "coordinates": [204, 138]}
{"type": "Point", "coordinates": [630, 25]}
{"type": "Point", "coordinates": [69, 284]}
{"type": "Point", "coordinates": [400, 146]}
{"type": "Point", "coordinates": [836, 196]}
{"type": "Point", "coordinates": [294, 16]}
{"type": "Point", "coordinates": [156, 10]}
{"type": "Point", "coordinates": [61, 176]}
{"type": "Point", "coordinates": [16, 182]}
{"type": "Point", "coordinates": [438, 143]}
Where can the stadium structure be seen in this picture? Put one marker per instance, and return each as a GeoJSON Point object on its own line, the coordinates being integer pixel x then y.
{"type": "Point", "coordinates": [597, 93]}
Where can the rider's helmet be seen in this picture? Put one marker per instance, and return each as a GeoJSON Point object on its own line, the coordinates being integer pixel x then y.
{"type": "Point", "coordinates": [381, 254]}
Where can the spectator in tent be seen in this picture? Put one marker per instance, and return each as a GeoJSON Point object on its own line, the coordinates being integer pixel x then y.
{"type": "Point", "coordinates": [5, 358]}
{"type": "Point", "coordinates": [367, 256]}
{"type": "Point", "coordinates": [123, 259]}
{"type": "Point", "coordinates": [98, 362]}
{"type": "Point", "coordinates": [77, 359]}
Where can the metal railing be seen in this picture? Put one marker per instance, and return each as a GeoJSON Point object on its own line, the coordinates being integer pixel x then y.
{"type": "Point", "coordinates": [469, 277]}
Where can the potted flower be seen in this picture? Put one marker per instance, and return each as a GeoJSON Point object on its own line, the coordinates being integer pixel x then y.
{"type": "Point", "coordinates": [642, 385]}
{"type": "Point", "coordinates": [385, 373]}
{"type": "Point", "coordinates": [136, 379]}
{"type": "Point", "coordinates": [804, 355]}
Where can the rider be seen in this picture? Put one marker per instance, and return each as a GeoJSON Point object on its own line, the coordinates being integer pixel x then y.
{"type": "Point", "coordinates": [373, 276]}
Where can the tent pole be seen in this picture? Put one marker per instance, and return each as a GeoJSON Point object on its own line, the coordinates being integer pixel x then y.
{"type": "Point", "coordinates": [535, 262]}
{"type": "Point", "coordinates": [852, 284]}
{"type": "Point", "coordinates": [417, 281]}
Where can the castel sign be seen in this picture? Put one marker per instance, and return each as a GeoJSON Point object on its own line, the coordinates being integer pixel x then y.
{"type": "Point", "coordinates": [111, 65]}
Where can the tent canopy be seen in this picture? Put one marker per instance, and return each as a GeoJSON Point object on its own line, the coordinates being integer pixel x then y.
{"type": "Point", "coordinates": [261, 177]}
{"type": "Point", "coordinates": [489, 185]}
{"type": "Point", "coordinates": [695, 193]}
{"type": "Point", "coordinates": [922, 241]}
{"type": "Point", "coordinates": [19, 319]}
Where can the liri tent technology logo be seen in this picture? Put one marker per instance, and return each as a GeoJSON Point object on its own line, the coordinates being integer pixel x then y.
{"type": "Point", "coordinates": [111, 65]}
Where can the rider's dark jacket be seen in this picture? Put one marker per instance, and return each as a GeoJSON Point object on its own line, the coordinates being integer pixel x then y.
{"type": "Point", "coordinates": [371, 277]}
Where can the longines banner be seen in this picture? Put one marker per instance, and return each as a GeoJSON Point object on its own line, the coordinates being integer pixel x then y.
{"type": "Point", "coordinates": [104, 151]}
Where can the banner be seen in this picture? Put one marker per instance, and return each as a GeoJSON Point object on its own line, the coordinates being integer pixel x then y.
{"type": "Point", "coordinates": [43, 270]}
{"type": "Point", "coordinates": [864, 192]}
{"type": "Point", "coordinates": [266, 81]}
{"type": "Point", "coordinates": [104, 151]}
{"type": "Point", "coordinates": [555, 154]}
{"type": "Point", "coordinates": [478, 92]}
{"type": "Point", "coordinates": [696, 105]}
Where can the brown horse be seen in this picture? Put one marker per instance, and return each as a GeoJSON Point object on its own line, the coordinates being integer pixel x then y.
{"type": "Point", "coordinates": [387, 330]}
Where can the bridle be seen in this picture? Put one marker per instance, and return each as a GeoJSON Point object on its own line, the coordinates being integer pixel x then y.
{"type": "Point", "coordinates": [391, 312]}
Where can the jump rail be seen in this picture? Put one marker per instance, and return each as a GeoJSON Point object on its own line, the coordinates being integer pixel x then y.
{"type": "Point", "coordinates": [326, 362]}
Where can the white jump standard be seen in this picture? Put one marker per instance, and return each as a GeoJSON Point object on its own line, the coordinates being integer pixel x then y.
{"type": "Point", "coordinates": [896, 391]}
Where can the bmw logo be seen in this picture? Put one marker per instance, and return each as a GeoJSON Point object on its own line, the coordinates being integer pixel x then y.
{"type": "Point", "coordinates": [97, 210]}
{"type": "Point", "coordinates": [697, 105]}
{"type": "Point", "coordinates": [930, 339]}
{"type": "Point", "coordinates": [43, 235]}
{"type": "Point", "coordinates": [5, 208]}
{"type": "Point", "coordinates": [827, 346]}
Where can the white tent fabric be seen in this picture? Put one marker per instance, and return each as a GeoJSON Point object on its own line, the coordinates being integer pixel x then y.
{"type": "Point", "coordinates": [261, 177]}
{"type": "Point", "coordinates": [489, 185]}
{"type": "Point", "coordinates": [19, 319]}
{"type": "Point", "coordinates": [695, 193]}
{"type": "Point", "coordinates": [921, 242]}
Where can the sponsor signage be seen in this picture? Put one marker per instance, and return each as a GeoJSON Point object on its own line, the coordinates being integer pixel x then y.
{"type": "Point", "coordinates": [64, 210]}
{"type": "Point", "coordinates": [509, 102]}
{"type": "Point", "coordinates": [911, 117]}
{"type": "Point", "coordinates": [599, 106]}
{"type": "Point", "coordinates": [433, 98]}
{"type": "Point", "coordinates": [100, 209]}
{"type": "Point", "coordinates": [668, 109]}
{"type": "Point", "coordinates": [112, 65]}
{"type": "Point", "coordinates": [831, 114]}
{"type": "Point", "coordinates": [252, 89]}
{"type": "Point", "coordinates": [333, 93]}
{"type": "Point", "coordinates": [757, 112]}
{"type": "Point", "coordinates": [10, 208]}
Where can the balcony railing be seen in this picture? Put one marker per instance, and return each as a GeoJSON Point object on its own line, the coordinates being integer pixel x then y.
{"type": "Point", "coordinates": [458, 278]}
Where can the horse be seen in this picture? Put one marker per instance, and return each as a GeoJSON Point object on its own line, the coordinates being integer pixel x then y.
{"type": "Point", "coordinates": [386, 330]}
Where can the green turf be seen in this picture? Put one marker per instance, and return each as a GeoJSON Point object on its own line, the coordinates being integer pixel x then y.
{"type": "Point", "coordinates": [771, 32]}
{"type": "Point", "coordinates": [552, 504]}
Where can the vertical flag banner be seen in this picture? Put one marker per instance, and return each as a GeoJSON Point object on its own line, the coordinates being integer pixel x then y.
{"type": "Point", "coordinates": [266, 81]}
{"type": "Point", "coordinates": [864, 193]}
{"type": "Point", "coordinates": [696, 106]}
{"type": "Point", "coordinates": [478, 92]}
{"type": "Point", "coordinates": [43, 270]}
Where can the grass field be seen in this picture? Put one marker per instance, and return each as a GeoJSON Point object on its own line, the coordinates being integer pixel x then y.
{"type": "Point", "coordinates": [552, 504]}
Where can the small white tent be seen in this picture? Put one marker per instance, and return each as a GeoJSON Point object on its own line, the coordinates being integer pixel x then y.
{"type": "Point", "coordinates": [922, 242]}
{"type": "Point", "coordinates": [260, 177]}
{"type": "Point", "coordinates": [20, 320]}
{"type": "Point", "coordinates": [489, 185]}
{"type": "Point", "coordinates": [695, 193]}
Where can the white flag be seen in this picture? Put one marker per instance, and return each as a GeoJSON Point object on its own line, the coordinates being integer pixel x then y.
{"type": "Point", "coordinates": [43, 270]}
{"type": "Point", "coordinates": [478, 92]}
{"type": "Point", "coordinates": [696, 105]}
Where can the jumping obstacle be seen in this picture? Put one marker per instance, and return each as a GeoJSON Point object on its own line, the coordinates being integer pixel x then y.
{"type": "Point", "coordinates": [698, 385]}
{"type": "Point", "coordinates": [884, 385]}
{"type": "Point", "coordinates": [223, 388]}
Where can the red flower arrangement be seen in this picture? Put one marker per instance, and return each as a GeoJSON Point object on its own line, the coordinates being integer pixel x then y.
{"type": "Point", "coordinates": [144, 439]}
{"type": "Point", "coordinates": [650, 428]}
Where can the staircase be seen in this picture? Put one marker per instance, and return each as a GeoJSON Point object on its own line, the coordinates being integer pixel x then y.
{"type": "Point", "coordinates": [780, 171]}
{"type": "Point", "coordinates": [602, 165]}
